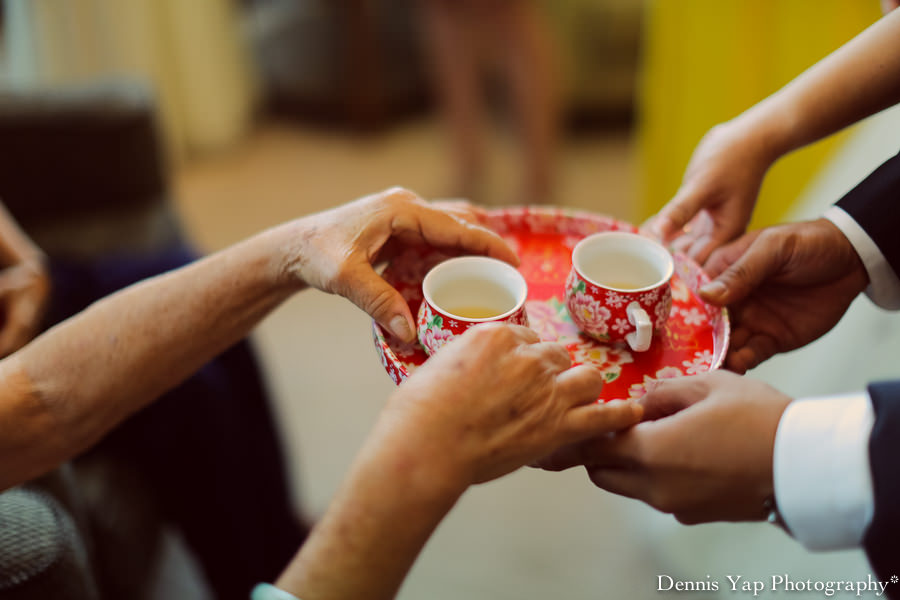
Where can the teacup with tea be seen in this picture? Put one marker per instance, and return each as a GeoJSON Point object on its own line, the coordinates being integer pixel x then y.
{"type": "Point", "coordinates": [461, 292]}
{"type": "Point", "coordinates": [618, 288]}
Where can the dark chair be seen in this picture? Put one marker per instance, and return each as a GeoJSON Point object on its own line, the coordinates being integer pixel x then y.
{"type": "Point", "coordinates": [44, 552]}
{"type": "Point", "coordinates": [82, 171]}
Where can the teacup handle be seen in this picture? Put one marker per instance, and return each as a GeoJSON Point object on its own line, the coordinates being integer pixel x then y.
{"type": "Point", "coordinates": [639, 339]}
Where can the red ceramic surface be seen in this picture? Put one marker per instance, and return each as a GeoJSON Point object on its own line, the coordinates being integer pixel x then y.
{"type": "Point", "coordinates": [693, 340]}
{"type": "Point", "coordinates": [436, 327]}
{"type": "Point", "coordinates": [603, 312]}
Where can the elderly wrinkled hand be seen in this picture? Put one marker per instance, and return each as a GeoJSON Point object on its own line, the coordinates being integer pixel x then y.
{"type": "Point", "coordinates": [497, 398]}
{"type": "Point", "coordinates": [24, 292]}
{"type": "Point", "coordinates": [785, 286]}
{"type": "Point", "coordinates": [705, 454]}
{"type": "Point", "coordinates": [337, 249]}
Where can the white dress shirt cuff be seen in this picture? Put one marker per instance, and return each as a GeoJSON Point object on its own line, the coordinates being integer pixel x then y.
{"type": "Point", "coordinates": [884, 286]}
{"type": "Point", "coordinates": [823, 481]}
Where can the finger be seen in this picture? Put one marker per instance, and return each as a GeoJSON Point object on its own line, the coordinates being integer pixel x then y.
{"type": "Point", "coordinates": [520, 334]}
{"type": "Point", "coordinates": [601, 451]}
{"type": "Point", "coordinates": [677, 213]}
{"type": "Point", "coordinates": [374, 295]}
{"type": "Point", "coordinates": [463, 209]}
{"type": "Point", "coordinates": [760, 261]}
{"type": "Point", "coordinates": [704, 245]}
{"type": "Point", "coordinates": [446, 231]}
{"type": "Point", "coordinates": [725, 256]}
{"type": "Point", "coordinates": [598, 418]}
{"type": "Point", "coordinates": [569, 456]}
{"type": "Point", "coordinates": [695, 516]}
{"type": "Point", "coordinates": [581, 384]}
{"type": "Point", "coordinates": [551, 353]}
{"type": "Point", "coordinates": [706, 237]}
{"type": "Point", "coordinates": [683, 243]}
{"type": "Point", "coordinates": [624, 482]}
{"type": "Point", "coordinates": [668, 396]}
{"type": "Point", "coordinates": [739, 337]}
{"type": "Point", "coordinates": [757, 349]}
{"type": "Point", "coordinates": [649, 228]}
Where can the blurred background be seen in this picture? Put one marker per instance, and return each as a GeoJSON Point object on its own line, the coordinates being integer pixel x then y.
{"type": "Point", "coordinates": [269, 109]}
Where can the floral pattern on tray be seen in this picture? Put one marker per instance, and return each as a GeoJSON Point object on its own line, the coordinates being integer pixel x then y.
{"type": "Point", "coordinates": [693, 340]}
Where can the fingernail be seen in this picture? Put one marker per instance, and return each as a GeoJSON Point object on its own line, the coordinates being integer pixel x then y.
{"type": "Point", "coordinates": [714, 290]}
{"type": "Point", "coordinates": [400, 328]}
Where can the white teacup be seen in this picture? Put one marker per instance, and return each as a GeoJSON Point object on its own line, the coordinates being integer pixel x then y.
{"type": "Point", "coordinates": [618, 289]}
{"type": "Point", "coordinates": [462, 292]}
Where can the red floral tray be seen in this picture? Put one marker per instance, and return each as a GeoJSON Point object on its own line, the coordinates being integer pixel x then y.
{"type": "Point", "coordinates": [694, 339]}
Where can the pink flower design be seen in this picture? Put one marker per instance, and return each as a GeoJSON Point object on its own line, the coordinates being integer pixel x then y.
{"type": "Point", "coordinates": [435, 337]}
{"type": "Point", "coordinates": [550, 320]}
{"type": "Point", "coordinates": [591, 314]}
{"type": "Point", "coordinates": [405, 350]}
{"type": "Point", "coordinates": [607, 359]}
{"type": "Point", "coordinates": [621, 326]}
{"type": "Point", "coordinates": [614, 299]}
{"type": "Point", "coordinates": [639, 389]}
{"type": "Point", "coordinates": [425, 315]}
{"type": "Point", "coordinates": [570, 241]}
{"type": "Point", "coordinates": [661, 312]}
{"type": "Point", "coordinates": [604, 356]}
{"type": "Point", "coordinates": [383, 350]}
{"type": "Point", "coordinates": [693, 316]}
{"type": "Point", "coordinates": [541, 222]}
{"type": "Point", "coordinates": [650, 297]}
{"type": "Point", "coordinates": [668, 373]}
{"type": "Point", "coordinates": [680, 291]}
{"type": "Point", "coordinates": [700, 364]}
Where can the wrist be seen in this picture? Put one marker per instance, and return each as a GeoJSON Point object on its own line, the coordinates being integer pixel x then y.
{"type": "Point", "coordinates": [415, 454]}
{"type": "Point", "coordinates": [768, 129]}
{"type": "Point", "coordinates": [394, 496]}
{"type": "Point", "coordinates": [281, 255]}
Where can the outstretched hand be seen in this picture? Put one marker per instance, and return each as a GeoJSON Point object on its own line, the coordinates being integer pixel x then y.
{"type": "Point", "coordinates": [338, 248]}
{"type": "Point", "coordinates": [492, 400]}
{"type": "Point", "coordinates": [501, 398]}
{"type": "Point", "coordinates": [24, 293]}
{"type": "Point", "coordinates": [705, 456]}
{"type": "Point", "coordinates": [717, 195]}
{"type": "Point", "coordinates": [785, 286]}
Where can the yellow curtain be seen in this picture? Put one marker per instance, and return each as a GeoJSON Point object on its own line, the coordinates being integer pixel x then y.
{"type": "Point", "coordinates": [705, 61]}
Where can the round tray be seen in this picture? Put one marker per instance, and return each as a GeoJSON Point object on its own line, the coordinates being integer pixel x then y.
{"type": "Point", "coordinates": [694, 339]}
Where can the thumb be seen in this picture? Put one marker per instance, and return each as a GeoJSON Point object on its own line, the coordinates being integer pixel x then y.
{"type": "Point", "coordinates": [373, 294]}
{"type": "Point", "coordinates": [749, 269]}
{"type": "Point", "coordinates": [666, 397]}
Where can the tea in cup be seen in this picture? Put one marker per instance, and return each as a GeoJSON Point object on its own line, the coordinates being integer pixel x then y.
{"type": "Point", "coordinates": [462, 292]}
{"type": "Point", "coordinates": [618, 288]}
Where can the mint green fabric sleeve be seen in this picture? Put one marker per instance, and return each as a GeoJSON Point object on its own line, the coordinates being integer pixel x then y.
{"type": "Point", "coordinates": [265, 591]}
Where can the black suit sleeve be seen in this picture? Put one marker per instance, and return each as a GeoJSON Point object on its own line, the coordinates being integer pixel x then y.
{"type": "Point", "coordinates": [875, 205]}
{"type": "Point", "coordinates": [882, 539]}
